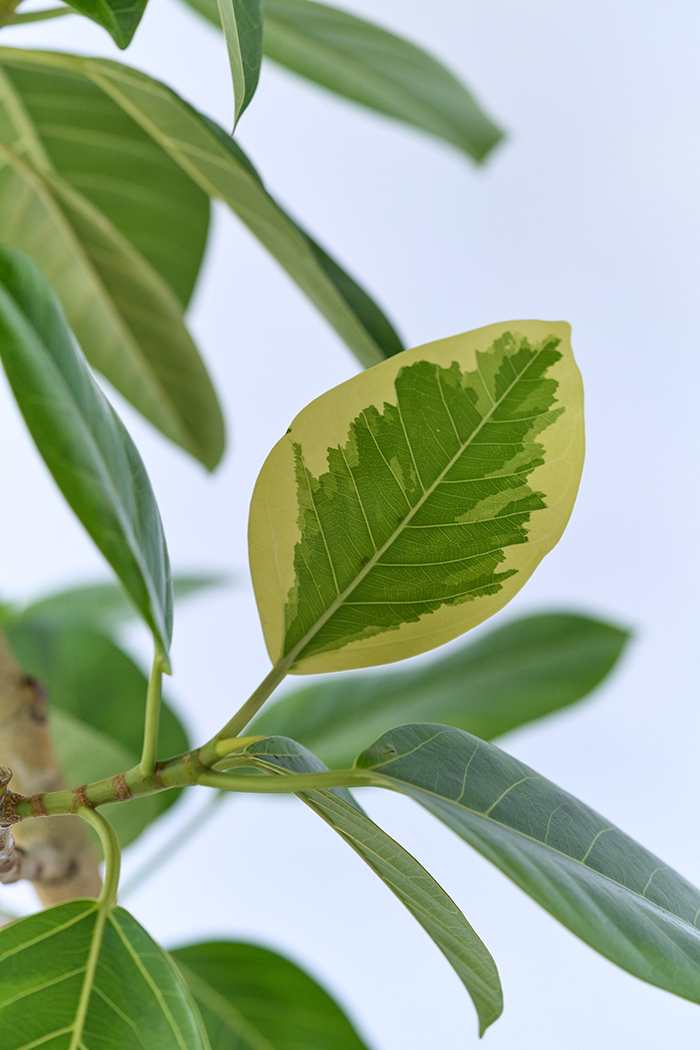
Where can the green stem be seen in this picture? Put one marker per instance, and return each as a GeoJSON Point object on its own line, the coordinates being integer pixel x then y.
{"type": "Point", "coordinates": [209, 753]}
{"type": "Point", "coordinates": [182, 837]}
{"type": "Point", "coordinates": [112, 855]}
{"type": "Point", "coordinates": [292, 782]}
{"type": "Point", "coordinates": [150, 729]}
{"type": "Point", "coordinates": [40, 16]}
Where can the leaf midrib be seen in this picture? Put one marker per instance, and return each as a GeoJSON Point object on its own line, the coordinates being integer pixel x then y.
{"type": "Point", "coordinates": [289, 658]}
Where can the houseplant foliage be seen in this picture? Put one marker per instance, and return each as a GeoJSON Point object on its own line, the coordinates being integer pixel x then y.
{"type": "Point", "coordinates": [399, 511]}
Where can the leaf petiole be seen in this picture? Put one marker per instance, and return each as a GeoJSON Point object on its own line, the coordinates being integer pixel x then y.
{"type": "Point", "coordinates": [150, 729]}
{"type": "Point", "coordinates": [112, 854]}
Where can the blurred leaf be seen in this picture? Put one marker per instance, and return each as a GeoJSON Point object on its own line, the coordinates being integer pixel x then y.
{"type": "Point", "coordinates": [101, 606]}
{"type": "Point", "coordinates": [358, 60]}
{"type": "Point", "coordinates": [242, 23]}
{"type": "Point", "coordinates": [49, 973]}
{"type": "Point", "coordinates": [119, 229]}
{"type": "Point", "coordinates": [97, 702]}
{"type": "Point", "coordinates": [253, 999]}
{"type": "Point", "coordinates": [119, 17]}
{"type": "Point", "coordinates": [603, 886]}
{"type": "Point", "coordinates": [410, 503]}
{"type": "Point", "coordinates": [82, 440]}
{"type": "Point", "coordinates": [517, 673]}
{"type": "Point", "coordinates": [219, 167]}
{"type": "Point", "coordinates": [406, 878]}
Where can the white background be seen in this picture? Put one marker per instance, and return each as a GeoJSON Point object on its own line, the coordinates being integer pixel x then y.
{"type": "Point", "coordinates": [588, 213]}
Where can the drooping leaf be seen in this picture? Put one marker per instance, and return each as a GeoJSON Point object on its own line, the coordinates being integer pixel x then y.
{"type": "Point", "coordinates": [358, 60]}
{"type": "Point", "coordinates": [81, 976]}
{"type": "Point", "coordinates": [251, 998]}
{"type": "Point", "coordinates": [218, 166]}
{"type": "Point", "coordinates": [100, 606]}
{"type": "Point", "coordinates": [412, 502]}
{"type": "Point", "coordinates": [242, 23]}
{"type": "Point", "coordinates": [82, 440]}
{"type": "Point", "coordinates": [97, 700]}
{"type": "Point", "coordinates": [119, 17]}
{"type": "Point", "coordinates": [522, 671]}
{"type": "Point", "coordinates": [413, 885]}
{"type": "Point", "coordinates": [608, 890]}
{"type": "Point", "coordinates": [119, 229]}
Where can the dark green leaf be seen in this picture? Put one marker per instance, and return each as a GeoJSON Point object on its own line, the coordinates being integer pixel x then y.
{"type": "Point", "coordinates": [100, 606]}
{"type": "Point", "coordinates": [522, 671]}
{"type": "Point", "coordinates": [133, 994]}
{"type": "Point", "coordinates": [253, 999]}
{"type": "Point", "coordinates": [413, 885]}
{"type": "Point", "coordinates": [97, 701]}
{"type": "Point", "coordinates": [82, 440]}
{"type": "Point", "coordinates": [607, 889]}
{"type": "Point", "coordinates": [242, 22]}
{"type": "Point", "coordinates": [358, 60]}
{"type": "Point", "coordinates": [119, 229]}
{"type": "Point", "coordinates": [214, 162]}
{"type": "Point", "coordinates": [119, 17]}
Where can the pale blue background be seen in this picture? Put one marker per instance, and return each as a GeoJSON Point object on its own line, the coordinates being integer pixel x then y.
{"type": "Point", "coordinates": [589, 213]}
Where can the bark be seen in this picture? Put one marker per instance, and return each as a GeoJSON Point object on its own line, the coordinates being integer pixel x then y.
{"type": "Point", "coordinates": [54, 853]}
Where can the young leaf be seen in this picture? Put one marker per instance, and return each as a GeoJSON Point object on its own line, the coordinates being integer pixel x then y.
{"type": "Point", "coordinates": [358, 60]}
{"type": "Point", "coordinates": [413, 885]}
{"type": "Point", "coordinates": [218, 166]}
{"type": "Point", "coordinates": [119, 17]}
{"type": "Point", "coordinates": [522, 671]}
{"type": "Point", "coordinates": [119, 229]}
{"type": "Point", "coordinates": [603, 886]}
{"type": "Point", "coordinates": [97, 707]}
{"type": "Point", "coordinates": [80, 975]}
{"type": "Point", "coordinates": [82, 440]}
{"type": "Point", "coordinates": [251, 998]}
{"type": "Point", "coordinates": [413, 501]}
{"type": "Point", "coordinates": [242, 23]}
{"type": "Point", "coordinates": [100, 606]}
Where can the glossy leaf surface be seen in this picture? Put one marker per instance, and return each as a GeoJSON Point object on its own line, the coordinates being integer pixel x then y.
{"type": "Point", "coordinates": [77, 977]}
{"type": "Point", "coordinates": [218, 166]}
{"type": "Point", "coordinates": [119, 229]}
{"type": "Point", "coordinates": [522, 671]}
{"type": "Point", "coordinates": [360, 61]}
{"type": "Point", "coordinates": [97, 700]}
{"type": "Point", "coordinates": [607, 889]}
{"type": "Point", "coordinates": [242, 23]}
{"type": "Point", "coordinates": [251, 998]}
{"type": "Point", "coordinates": [406, 878]}
{"type": "Point", "coordinates": [82, 440]}
{"type": "Point", "coordinates": [412, 502]}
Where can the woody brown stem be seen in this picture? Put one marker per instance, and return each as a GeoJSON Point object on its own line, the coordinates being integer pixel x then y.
{"type": "Point", "coordinates": [55, 854]}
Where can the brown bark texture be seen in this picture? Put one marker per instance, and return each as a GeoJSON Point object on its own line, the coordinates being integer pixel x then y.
{"type": "Point", "coordinates": [54, 853]}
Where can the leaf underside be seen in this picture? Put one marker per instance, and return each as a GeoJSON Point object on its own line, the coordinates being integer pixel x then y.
{"type": "Point", "coordinates": [607, 889]}
{"type": "Point", "coordinates": [119, 17]}
{"type": "Point", "coordinates": [242, 23]}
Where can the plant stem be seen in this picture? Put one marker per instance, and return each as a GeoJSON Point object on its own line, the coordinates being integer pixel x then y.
{"type": "Point", "coordinates": [112, 854]}
{"type": "Point", "coordinates": [182, 837]}
{"type": "Point", "coordinates": [150, 729]}
{"type": "Point", "coordinates": [292, 782]}
{"type": "Point", "coordinates": [40, 16]}
{"type": "Point", "coordinates": [208, 753]}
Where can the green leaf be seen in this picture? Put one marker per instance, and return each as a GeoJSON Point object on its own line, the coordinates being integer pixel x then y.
{"type": "Point", "coordinates": [100, 606]}
{"type": "Point", "coordinates": [251, 998]}
{"type": "Point", "coordinates": [412, 502]}
{"type": "Point", "coordinates": [119, 229]}
{"type": "Point", "coordinates": [603, 886]}
{"type": "Point", "coordinates": [522, 671]}
{"type": "Point", "coordinates": [97, 702]}
{"type": "Point", "coordinates": [82, 440]}
{"type": "Point", "coordinates": [242, 23]}
{"type": "Point", "coordinates": [413, 885]}
{"type": "Point", "coordinates": [360, 61]}
{"type": "Point", "coordinates": [79, 976]}
{"type": "Point", "coordinates": [218, 166]}
{"type": "Point", "coordinates": [119, 17]}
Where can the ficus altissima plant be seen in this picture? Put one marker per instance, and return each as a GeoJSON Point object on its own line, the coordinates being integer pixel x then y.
{"type": "Point", "coordinates": [399, 510]}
